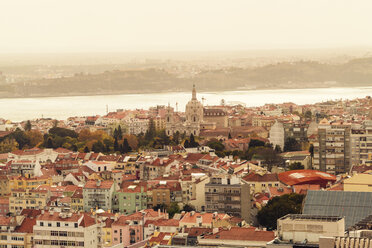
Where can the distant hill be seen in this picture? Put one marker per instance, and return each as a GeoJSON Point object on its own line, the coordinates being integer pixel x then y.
{"type": "Point", "coordinates": [301, 74]}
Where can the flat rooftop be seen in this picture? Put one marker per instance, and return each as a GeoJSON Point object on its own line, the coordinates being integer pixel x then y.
{"type": "Point", "coordinates": [311, 217]}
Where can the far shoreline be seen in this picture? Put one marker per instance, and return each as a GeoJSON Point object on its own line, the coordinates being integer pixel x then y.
{"type": "Point", "coordinates": [175, 91]}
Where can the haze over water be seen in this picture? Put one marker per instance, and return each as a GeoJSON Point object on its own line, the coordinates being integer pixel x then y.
{"type": "Point", "coordinates": [18, 109]}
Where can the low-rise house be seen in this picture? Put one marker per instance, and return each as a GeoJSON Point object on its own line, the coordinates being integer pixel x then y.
{"type": "Point", "coordinates": [77, 200]}
{"type": "Point", "coordinates": [261, 182]}
{"type": "Point", "coordinates": [195, 219]}
{"type": "Point", "coordinates": [302, 157]}
{"type": "Point", "coordinates": [99, 166]}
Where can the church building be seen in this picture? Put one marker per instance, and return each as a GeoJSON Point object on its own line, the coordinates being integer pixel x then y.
{"type": "Point", "coordinates": [193, 118]}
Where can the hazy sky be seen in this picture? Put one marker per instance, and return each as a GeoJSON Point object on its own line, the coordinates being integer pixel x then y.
{"type": "Point", "coordinates": [160, 25]}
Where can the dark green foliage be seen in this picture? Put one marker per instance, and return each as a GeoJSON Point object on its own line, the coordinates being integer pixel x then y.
{"type": "Point", "coordinates": [151, 132]}
{"type": "Point", "coordinates": [28, 126]}
{"type": "Point", "coordinates": [192, 141]}
{"type": "Point", "coordinates": [116, 145]}
{"type": "Point", "coordinates": [188, 208]}
{"type": "Point", "coordinates": [49, 143]}
{"type": "Point", "coordinates": [278, 207]}
{"type": "Point", "coordinates": [173, 209]}
{"type": "Point", "coordinates": [98, 147]}
{"type": "Point", "coordinates": [21, 138]}
{"type": "Point", "coordinates": [216, 145]}
{"type": "Point", "coordinates": [120, 133]}
{"type": "Point", "coordinates": [291, 144]}
{"type": "Point", "coordinates": [162, 207]}
{"type": "Point", "coordinates": [278, 149]}
{"type": "Point", "coordinates": [176, 137]}
{"type": "Point", "coordinates": [63, 132]}
{"type": "Point", "coordinates": [256, 143]}
{"type": "Point", "coordinates": [308, 114]}
{"type": "Point", "coordinates": [86, 149]}
{"type": "Point", "coordinates": [126, 147]}
{"type": "Point", "coordinates": [296, 166]}
{"type": "Point", "coordinates": [311, 150]}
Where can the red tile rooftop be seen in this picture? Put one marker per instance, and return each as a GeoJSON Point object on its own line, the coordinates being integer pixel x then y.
{"type": "Point", "coordinates": [27, 226]}
{"type": "Point", "coordinates": [5, 221]}
{"type": "Point", "coordinates": [207, 218]}
{"type": "Point", "coordinates": [254, 177]}
{"type": "Point", "coordinates": [294, 177]}
{"type": "Point", "coordinates": [241, 233]}
{"type": "Point", "coordinates": [56, 216]}
{"type": "Point", "coordinates": [92, 184]}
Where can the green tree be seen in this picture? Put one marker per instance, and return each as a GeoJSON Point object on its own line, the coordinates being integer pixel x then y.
{"type": "Point", "coordinates": [116, 145]}
{"type": "Point", "coordinates": [8, 144]}
{"type": "Point", "coordinates": [308, 114]}
{"type": "Point", "coordinates": [176, 138]}
{"type": "Point", "coordinates": [296, 166]}
{"type": "Point", "coordinates": [21, 138]}
{"type": "Point", "coordinates": [173, 209]}
{"type": "Point", "coordinates": [291, 144]}
{"type": "Point", "coordinates": [192, 141]}
{"type": "Point", "coordinates": [278, 149]}
{"type": "Point", "coordinates": [49, 143]}
{"type": "Point", "coordinates": [311, 150]}
{"type": "Point", "coordinates": [277, 207]}
{"type": "Point", "coordinates": [28, 126]}
{"type": "Point", "coordinates": [63, 132]}
{"type": "Point", "coordinates": [188, 208]}
{"type": "Point", "coordinates": [216, 145]}
{"type": "Point", "coordinates": [126, 147]}
{"type": "Point", "coordinates": [151, 131]}
{"type": "Point", "coordinates": [120, 133]}
{"type": "Point", "coordinates": [86, 149]}
{"type": "Point", "coordinates": [256, 143]}
{"type": "Point", "coordinates": [98, 147]}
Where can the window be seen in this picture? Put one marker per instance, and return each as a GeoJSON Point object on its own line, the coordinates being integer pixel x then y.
{"type": "Point", "coordinates": [41, 223]}
{"type": "Point", "coordinates": [76, 225]}
{"type": "Point", "coordinates": [49, 224]}
{"type": "Point", "coordinates": [58, 224]}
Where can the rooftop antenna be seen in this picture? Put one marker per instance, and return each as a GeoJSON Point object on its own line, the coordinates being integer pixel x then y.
{"type": "Point", "coordinates": [203, 99]}
{"type": "Point", "coordinates": [106, 109]}
{"type": "Point", "coordinates": [176, 106]}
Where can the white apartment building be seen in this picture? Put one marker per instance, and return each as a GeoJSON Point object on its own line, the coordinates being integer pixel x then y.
{"type": "Point", "coordinates": [54, 229]}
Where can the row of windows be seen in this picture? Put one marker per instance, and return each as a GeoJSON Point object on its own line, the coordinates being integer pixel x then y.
{"type": "Point", "coordinates": [59, 242]}
{"type": "Point", "coordinates": [12, 246]}
{"type": "Point", "coordinates": [58, 224]}
{"type": "Point", "coordinates": [59, 233]}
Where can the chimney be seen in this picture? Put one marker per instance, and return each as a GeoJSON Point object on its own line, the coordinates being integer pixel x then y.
{"type": "Point", "coordinates": [199, 220]}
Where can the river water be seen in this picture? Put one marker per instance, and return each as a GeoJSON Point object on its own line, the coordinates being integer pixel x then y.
{"type": "Point", "coordinates": [18, 109]}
